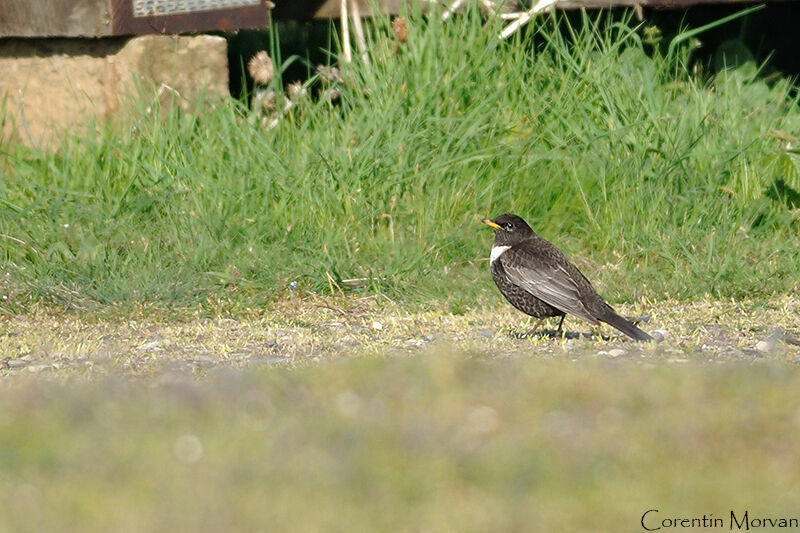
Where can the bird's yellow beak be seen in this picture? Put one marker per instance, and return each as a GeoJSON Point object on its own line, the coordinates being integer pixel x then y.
{"type": "Point", "coordinates": [490, 223]}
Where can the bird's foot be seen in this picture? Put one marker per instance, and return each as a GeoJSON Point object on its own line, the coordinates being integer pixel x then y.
{"type": "Point", "coordinates": [636, 320]}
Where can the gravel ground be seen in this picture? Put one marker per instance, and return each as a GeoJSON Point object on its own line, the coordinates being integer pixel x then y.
{"type": "Point", "coordinates": [302, 331]}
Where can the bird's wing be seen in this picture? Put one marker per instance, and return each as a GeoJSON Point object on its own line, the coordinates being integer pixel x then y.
{"type": "Point", "coordinates": [546, 279]}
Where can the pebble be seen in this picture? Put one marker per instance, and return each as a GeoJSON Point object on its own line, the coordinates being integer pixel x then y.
{"type": "Point", "coordinates": [768, 344]}
{"type": "Point", "coordinates": [274, 360]}
{"type": "Point", "coordinates": [377, 325]}
{"type": "Point", "coordinates": [765, 346]}
{"type": "Point", "coordinates": [616, 352]}
{"type": "Point", "coordinates": [415, 342]}
{"type": "Point", "coordinates": [39, 368]}
{"type": "Point", "coordinates": [660, 335]}
{"type": "Point", "coordinates": [154, 346]}
{"type": "Point", "coordinates": [269, 360]}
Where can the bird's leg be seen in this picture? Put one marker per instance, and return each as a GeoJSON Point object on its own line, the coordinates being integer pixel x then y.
{"type": "Point", "coordinates": [559, 332]}
{"type": "Point", "coordinates": [535, 327]}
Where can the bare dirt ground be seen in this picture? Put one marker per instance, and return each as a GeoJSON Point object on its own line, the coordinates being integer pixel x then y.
{"type": "Point", "coordinates": [307, 330]}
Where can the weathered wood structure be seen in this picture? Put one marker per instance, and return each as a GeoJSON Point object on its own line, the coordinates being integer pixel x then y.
{"type": "Point", "coordinates": [109, 18]}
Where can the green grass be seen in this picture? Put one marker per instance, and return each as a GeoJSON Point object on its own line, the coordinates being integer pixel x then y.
{"type": "Point", "coordinates": [431, 443]}
{"type": "Point", "coordinates": [653, 180]}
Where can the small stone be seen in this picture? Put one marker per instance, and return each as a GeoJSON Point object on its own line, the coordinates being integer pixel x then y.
{"type": "Point", "coordinates": [269, 360]}
{"type": "Point", "coordinates": [154, 346]}
{"type": "Point", "coordinates": [38, 368]}
{"type": "Point", "coordinates": [660, 335]}
{"type": "Point", "coordinates": [15, 363]}
{"type": "Point", "coordinates": [616, 352]}
{"type": "Point", "coordinates": [768, 344]}
{"type": "Point", "coordinates": [765, 346]}
{"type": "Point", "coordinates": [377, 325]}
{"type": "Point", "coordinates": [227, 322]}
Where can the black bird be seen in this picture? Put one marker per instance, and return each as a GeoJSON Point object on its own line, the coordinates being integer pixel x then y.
{"type": "Point", "coordinates": [538, 279]}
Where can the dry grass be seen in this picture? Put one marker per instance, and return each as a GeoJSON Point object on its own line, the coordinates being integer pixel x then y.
{"type": "Point", "coordinates": [296, 331]}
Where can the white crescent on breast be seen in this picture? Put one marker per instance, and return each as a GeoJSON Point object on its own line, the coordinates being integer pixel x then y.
{"type": "Point", "coordinates": [497, 251]}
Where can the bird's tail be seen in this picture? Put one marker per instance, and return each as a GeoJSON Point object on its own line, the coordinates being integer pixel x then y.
{"type": "Point", "coordinates": [613, 319]}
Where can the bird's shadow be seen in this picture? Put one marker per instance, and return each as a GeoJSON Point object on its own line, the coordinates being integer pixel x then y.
{"type": "Point", "coordinates": [554, 334]}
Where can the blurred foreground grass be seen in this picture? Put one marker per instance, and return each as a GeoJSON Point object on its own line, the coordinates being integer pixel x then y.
{"type": "Point", "coordinates": [329, 417]}
{"type": "Point", "coordinates": [440, 441]}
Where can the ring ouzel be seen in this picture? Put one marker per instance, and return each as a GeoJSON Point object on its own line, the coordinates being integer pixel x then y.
{"type": "Point", "coordinates": [538, 279]}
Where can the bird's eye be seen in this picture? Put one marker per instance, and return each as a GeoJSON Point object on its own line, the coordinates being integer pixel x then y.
{"type": "Point", "coordinates": [509, 226]}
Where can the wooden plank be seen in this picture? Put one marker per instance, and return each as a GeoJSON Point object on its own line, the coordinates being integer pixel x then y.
{"type": "Point", "coordinates": [47, 18]}
{"type": "Point", "coordinates": [249, 15]}
{"type": "Point", "coordinates": [657, 4]}
{"type": "Point", "coordinates": [330, 8]}
{"type": "Point", "coordinates": [104, 18]}
{"type": "Point", "coordinates": [101, 18]}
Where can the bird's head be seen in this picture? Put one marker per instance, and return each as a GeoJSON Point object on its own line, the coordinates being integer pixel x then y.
{"type": "Point", "coordinates": [509, 229]}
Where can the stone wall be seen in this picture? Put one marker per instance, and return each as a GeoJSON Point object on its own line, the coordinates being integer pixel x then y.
{"type": "Point", "coordinates": [55, 87]}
